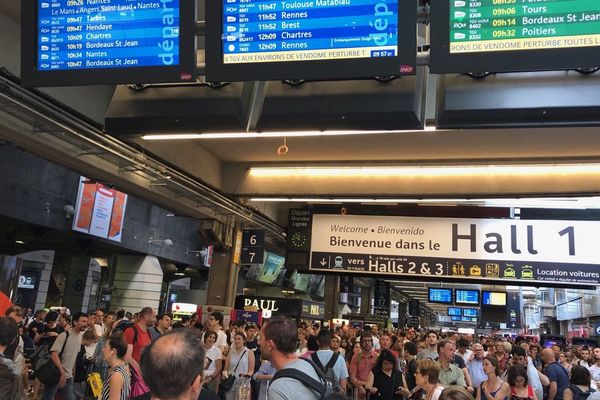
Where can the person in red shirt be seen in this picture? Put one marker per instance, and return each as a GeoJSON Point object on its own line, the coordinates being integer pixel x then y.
{"type": "Point", "coordinates": [138, 336]}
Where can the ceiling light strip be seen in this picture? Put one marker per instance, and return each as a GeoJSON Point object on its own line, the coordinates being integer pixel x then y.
{"type": "Point", "coordinates": [422, 171]}
{"type": "Point", "coordinates": [256, 135]}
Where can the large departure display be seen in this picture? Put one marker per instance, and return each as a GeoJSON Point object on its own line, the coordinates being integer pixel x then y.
{"type": "Point", "coordinates": [76, 34]}
{"type": "Point", "coordinates": [301, 30]}
{"type": "Point", "coordinates": [508, 25]}
{"type": "Point", "coordinates": [557, 34]}
{"type": "Point", "coordinates": [88, 35]}
{"type": "Point", "coordinates": [308, 31]}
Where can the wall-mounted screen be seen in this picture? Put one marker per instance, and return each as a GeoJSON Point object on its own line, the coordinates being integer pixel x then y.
{"type": "Point", "coordinates": [455, 319]}
{"type": "Point", "coordinates": [469, 312]}
{"type": "Point", "coordinates": [99, 210]}
{"type": "Point", "coordinates": [454, 311]}
{"type": "Point", "coordinates": [270, 268]}
{"type": "Point", "coordinates": [79, 42]}
{"type": "Point", "coordinates": [468, 319]}
{"type": "Point", "coordinates": [462, 296]}
{"type": "Point", "coordinates": [309, 39]}
{"type": "Point", "coordinates": [443, 296]}
{"type": "Point", "coordinates": [493, 298]}
{"type": "Point", "coordinates": [509, 35]}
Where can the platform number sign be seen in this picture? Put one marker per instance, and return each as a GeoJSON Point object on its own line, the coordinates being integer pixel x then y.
{"type": "Point", "coordinates": [253, 247]}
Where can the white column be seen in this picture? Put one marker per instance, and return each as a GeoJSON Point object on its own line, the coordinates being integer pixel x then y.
{"type": "Point", "coordinates": [137, 283]}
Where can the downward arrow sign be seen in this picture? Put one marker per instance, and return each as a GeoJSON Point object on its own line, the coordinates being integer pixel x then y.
{"type": "Point", "coordinates": [323, 262]}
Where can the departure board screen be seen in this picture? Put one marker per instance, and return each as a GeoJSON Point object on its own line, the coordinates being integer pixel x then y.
{"type": "Point", "coordinates": [76, 34]}
{"type": "Point", "coordinates": [463, 296]}
{"type": "Point", "coordinates": [511, 25]}
{"type": "Point", "coordinates": [246, 35]}
{"type": "Point", "coordinates": [443, 296]}
{"type": "Point", "coordinates": [455, 311]}
{"type": "Point", "coordinates": [302, 30]}
{"type": "Point", "coordinates": [469, 312]}
{"type": "Point", "coordinates": [514, 35]}
{"type": "Point", "coordinates": [92, 35]}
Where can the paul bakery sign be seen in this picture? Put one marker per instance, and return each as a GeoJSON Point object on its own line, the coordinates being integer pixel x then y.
{"type": "Point", "coordinates": [536, 251]}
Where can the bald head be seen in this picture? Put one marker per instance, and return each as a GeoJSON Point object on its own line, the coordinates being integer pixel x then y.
{"type": "Point", "coordinates": [172, 366]}
{"type": "Point", "coordinates": [549, 356]}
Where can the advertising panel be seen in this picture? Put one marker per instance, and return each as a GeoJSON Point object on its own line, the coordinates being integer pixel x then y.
{"type": "Point", "coordinates": [100, 210]}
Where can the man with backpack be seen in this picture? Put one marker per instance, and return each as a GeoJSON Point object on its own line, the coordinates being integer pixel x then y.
{"type": "Point", "coordinates": [332, 364]}
{"type": "Point", "coordinates": [138, 337]}
{"type": "Point", "coordinates": [64, 354]}
{"type": "Point", "coordinates": [296, 379]}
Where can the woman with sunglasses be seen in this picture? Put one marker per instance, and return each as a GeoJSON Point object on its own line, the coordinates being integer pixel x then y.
{"type": "Point", "coordinates": [336, 345]}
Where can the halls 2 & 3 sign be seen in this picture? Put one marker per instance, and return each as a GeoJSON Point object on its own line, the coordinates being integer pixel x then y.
{"type": "Point", "coordinates": [536, 251]}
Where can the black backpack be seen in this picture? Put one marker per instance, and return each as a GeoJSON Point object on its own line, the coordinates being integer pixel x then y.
{"type": "Point", "coordinates": [123, 326]}
{"type": "Point", "coordinates": [321, 386]}
{"type": "Point", "coordinates": [328, 371]}
{"type": "Point", "coordinates": [579, 394]}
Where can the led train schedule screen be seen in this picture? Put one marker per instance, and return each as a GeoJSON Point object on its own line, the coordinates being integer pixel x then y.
{"type": "Point", "coordinates": [91, 35]}
{"type": "Point", "coordinates": [302, 30]}
{"type": "Point", "coordinates": [288, 32]}
{"type": "Point", "coordinates": [557, 34]}
{"type": "Point", "coordinates": [512, 25]}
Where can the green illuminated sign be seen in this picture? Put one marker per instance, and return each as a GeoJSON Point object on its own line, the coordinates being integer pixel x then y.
{"type": "Point", "coordinates": [509, 25]}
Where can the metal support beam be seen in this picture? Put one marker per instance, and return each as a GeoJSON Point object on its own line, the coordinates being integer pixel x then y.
{"type": "Point", "coordinates": [69, 135]}
{"type": "Point", "coordinates": [253, 98]}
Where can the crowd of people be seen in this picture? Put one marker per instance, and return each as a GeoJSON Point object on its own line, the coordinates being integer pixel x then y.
{"type": "Point", "coordinates": [115, 355]}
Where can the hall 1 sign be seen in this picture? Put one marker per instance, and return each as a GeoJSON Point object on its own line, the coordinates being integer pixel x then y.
{"type": "Point", "coordinates": [526, 252]}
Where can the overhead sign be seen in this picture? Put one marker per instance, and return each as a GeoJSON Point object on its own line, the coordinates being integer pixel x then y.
{"type": "Point", "coordinates": [513, 305]}
{"type": "Point", "coordinates": [497, 250]}
{"type": "Point", "coordinates": [412, 321]}
{"type": "Point", "coordinates": [258, 31]}
{"type": "Point", "coordinates": [107, 41]}
{"type": "Point", "coordinates": [413, 307]}
{"type": "Point", "coordinates": [382, 298]}
{"type": "Point", "coordinates": [253, 246]}
{"type": "Point", "coordinates": [486, 26]}
{"type": "Point", "coordinates": [346, 284]}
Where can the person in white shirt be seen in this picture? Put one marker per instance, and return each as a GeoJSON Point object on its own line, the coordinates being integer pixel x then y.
{"type": "Point", "coordinates": [462, 349]}
{"type": "Point", "coordinates": [585, 360]}
{"type": "Point", "coordinates": [213, 361]}
{"type": "Point", "coordinates": [595, 368]}
{"type": "Point", "coordinates": [215, 323]}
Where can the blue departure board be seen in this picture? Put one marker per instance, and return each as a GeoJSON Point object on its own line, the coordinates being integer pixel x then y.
{"type": "Point", "coordinates": [466, 296]}
{"type": "Point", "coordinates": [440, 296]}
{"type": "Point", "coordinates": [82, 34]}
{"type": "Point", "coordinates": [259, 31]}
{"type": "Point", "coordinates": [455, 311]}
{"type": "Point", "coordinates": [469, 312]}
